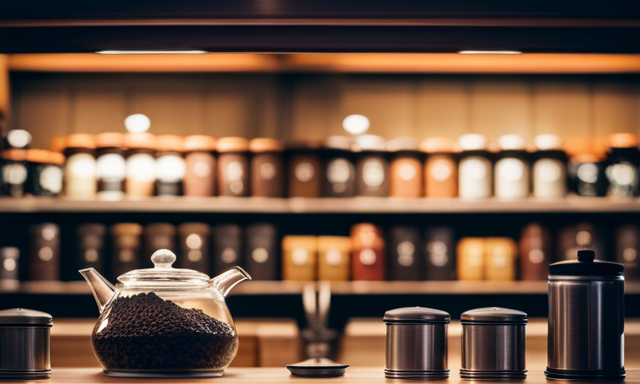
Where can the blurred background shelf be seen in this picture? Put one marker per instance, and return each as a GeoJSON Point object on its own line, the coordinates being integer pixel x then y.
{"type": "Point", "coordinates": [328, 205]}
{"type": "Point", "coordinates": [354, 288]}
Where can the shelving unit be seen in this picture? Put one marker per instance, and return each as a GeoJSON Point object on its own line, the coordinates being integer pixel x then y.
{"type": "Point", "coordinates": [369, 205]}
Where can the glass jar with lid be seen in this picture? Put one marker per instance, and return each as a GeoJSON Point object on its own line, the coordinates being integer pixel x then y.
{"type": "Point", "coordinates": [622, 171]}
{"type": "Point", "coordinates": [475, 171]}
{"type": "Point", "coordinates": [372, 166]}
{"type": "Point", "coordinates": [405, 168]}
{"type": "Point", "coordinates": [512, 168]}
{"type": "Point", "coordinates": [200, 166]}
{"type": "Point", "coordinates": [440, 167]}
{"type": "Point", "coordinates": [549, 168]}
{"type": "Point", "coordinates": [267, 167]}
{"type": "Point", "coordinates": [169, 165]}
{"type": "Point", "coordinates": [233, 166]}
{"type": "Point", "coordinates": [140, 164]}
{"type": "Point", "coordinates": [339, 171]}
{"type": "Point", "coordinates": [80, 167]}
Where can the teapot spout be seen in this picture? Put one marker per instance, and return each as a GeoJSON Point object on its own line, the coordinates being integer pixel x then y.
{"type": "Point", "coordinates": [101, 288]}
{"type": "Point", "coordinates": [225, 281]}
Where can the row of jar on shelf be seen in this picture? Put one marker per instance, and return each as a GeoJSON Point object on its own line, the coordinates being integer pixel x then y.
{"type": "Point", "coordinates": [369, 253]}
{"type": "Point", "coordinates": [113, 165]}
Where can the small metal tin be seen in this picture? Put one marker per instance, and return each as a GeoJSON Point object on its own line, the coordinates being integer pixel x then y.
{"type": "Point", "coordinates": [416, 343]}
{"type": "Point", "coordinates": [24, 344]}
{"type": "Point", "coordinates": [493, 344]}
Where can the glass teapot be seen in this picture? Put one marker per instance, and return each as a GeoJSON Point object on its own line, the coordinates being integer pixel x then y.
{"type": "Point", "coordinates": [164, 321]}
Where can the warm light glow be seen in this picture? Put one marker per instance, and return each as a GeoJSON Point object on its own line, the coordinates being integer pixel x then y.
{"type": "Point", "coordinates": [356, 124]}
{"type": "Point", "coordinates": [137, 123]}
{"type": "Point", "coordinates": [471, 52]}
{"type": "Point", "coordinates": [159, 52]}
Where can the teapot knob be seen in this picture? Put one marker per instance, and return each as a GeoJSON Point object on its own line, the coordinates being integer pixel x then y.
{"type": "Point", "coordinates": [163, 258]}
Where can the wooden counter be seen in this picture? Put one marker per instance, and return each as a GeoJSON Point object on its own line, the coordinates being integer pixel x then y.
{"type": "Point", "coordinates": [280, 375]}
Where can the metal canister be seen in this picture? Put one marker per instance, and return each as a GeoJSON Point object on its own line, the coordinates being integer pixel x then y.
{"type": "Point", "coordinates": [416, 343]}
{"type": "Point", "coordinates": [586, 319]}
{"type": "Point", "coordinates": [493, 344]}
{"type": "Point", "coordinates": [24, 344]}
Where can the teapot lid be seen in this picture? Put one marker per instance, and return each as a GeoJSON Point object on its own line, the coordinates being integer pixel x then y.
{"type": "Point", "coordinates": [163, 273]}
{"type": "Point", "coordinates": [586, 265]}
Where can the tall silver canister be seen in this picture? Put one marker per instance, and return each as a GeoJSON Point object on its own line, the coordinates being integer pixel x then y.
{"type": "Point", "coordinates": [493, 344]}
{"type": "Point", "coordinates": [586, 319]}
{"type": "Point", "coordinates": [416, 343]}
{"type": "Point", "coordinates": [24, 344]}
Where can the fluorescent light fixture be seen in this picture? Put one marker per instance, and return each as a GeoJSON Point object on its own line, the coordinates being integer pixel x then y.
{"type": "Point", "coordinates": [152, 52]}
{"type": "Point", "coordinates": [471, 52]}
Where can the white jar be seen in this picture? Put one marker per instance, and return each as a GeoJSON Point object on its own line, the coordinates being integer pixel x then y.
{"type": "Point", "coordinates": [512, 168]}
{"type": "Point", "coordinates": [475, 169]}
{"type": "Point", "coordinates": [549, 168]}
{"type": "Point", "coordinates": [80, 167]}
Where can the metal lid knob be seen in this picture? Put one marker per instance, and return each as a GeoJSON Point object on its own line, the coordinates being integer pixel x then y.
{"type": "Point", "coordinates": [586, 256]}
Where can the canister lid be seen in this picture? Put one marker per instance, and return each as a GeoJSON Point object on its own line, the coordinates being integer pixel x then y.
{"type": "Point", "coordinates": [20, 316]}
{"type": "Point", "coordinates": [547, 142]}
{"type": "Point", "coordinates": [403, 143]}
{"type": "Point", "coordinates": [194, 228]}
{"type": "Point", "coordinates": [416, 315]}
{"type": "Point", "coordinates": [472, 142]}
{"type": "Point", "coordinates": [438, 145]}
{"type": "Point", "coordinates": [166, 229]}
{"type": "Point", "coordinates": [140, 140]}
{"type": "Point", "coordinates": [81, 140]}
{"type": "Point", "coordinates": [232, 144]}
{"type": "Point", "coordinates": [199, 143]}
{"type": "Point", "coordinates": [110, 140]}
{"type": "Point", "coordinates": [169, 143]}
{"type": "Point", "coordinates": [37, 155]}
{"type": "Point", "coordinates": [582, 158]}
{"type": "Point", "coordinates": [494, 315]}
{"type": "Point", "coordinates": [512, 143]}
{"type": "Point", "coordinates": [339, 142]}
{"type": "Point", "coordinates": [265, 144]}
{"type": "Point", "coordinates": [56, 158]}
{"type": "Point", "coordinates": [14, 154]}
{"type": "Point", "coordinates": [623, 140]}
{"type": "Point", "coordinates": [370, 143]}
{"type": "Point", "coordinates": [304, 145]}
{"type": "Point", "coordinates": [586, 265]}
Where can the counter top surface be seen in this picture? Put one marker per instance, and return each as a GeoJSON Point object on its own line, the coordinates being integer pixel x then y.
{"type": "Point", "coordinates": [276, 375]}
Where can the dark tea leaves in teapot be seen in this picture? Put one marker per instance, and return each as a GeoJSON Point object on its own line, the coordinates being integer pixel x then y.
{"type": "Point", "coordinates": [145, 332]}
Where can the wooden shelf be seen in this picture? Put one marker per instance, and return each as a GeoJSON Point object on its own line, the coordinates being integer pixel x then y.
{"type": "Point", "coordinates": [331, 62]}
{"type": "Point", "coordinates": [318, 206]}
{"type": "Point", "coordinates": [353, 288]}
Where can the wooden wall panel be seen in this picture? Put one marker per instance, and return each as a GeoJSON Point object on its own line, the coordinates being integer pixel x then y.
{"type": "Point", "coordinates": [304, 106]}
{"type": "Point", "coordinates": [442, 107]}
{"type": "Point", "coordinates": [613, 110]}
{"type": "Point", "coordinates": [314, 112]}
{"type": "Point", "coordinates": [500, 106]}
{"type": "Point", "coordinates": [388, 103]}
{"type": "Point", "coordinates": [98, 110]}
{"type": "Point", "coordinates": [562, 107]}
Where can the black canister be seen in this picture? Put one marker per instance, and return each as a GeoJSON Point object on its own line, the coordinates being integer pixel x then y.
{"type": "Point", "coordinates": [416, 343]}
{"type": "Point", "coordinates": [627, 250]}
{"type": "Point", "coordinates": [587, 175]}
{"type": "Point", "coordinates": [622, 171]}
{"type": "Point", "coordinates": [493, 344]}
{"type": "Point", "coordinates": [586, 320]}
{"type": "Point", "coordinates": [194, 246]}
{"type": "Point", "coordinates": [261, 258]}
{"type": "Point", "coordinates": [24, 344]}
{"type": "Point", "coordinates": [372, 167]}
{"type": "Point", "coordinates": [9, 271]}
{"type": "Point", "coordinates": [439, 254]}
{"type": "Point", "coordinates": [91, 245]}
{"type": "Point", "coordinates": [227, 247]}
{"type": "Point", "coordinates": [14, 176]}
{"type": "Point", "coordinates": [339, 172]}
{"type": "Point", "coordinates": [404, 252]}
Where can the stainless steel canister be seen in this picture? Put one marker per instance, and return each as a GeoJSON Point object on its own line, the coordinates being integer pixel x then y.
{"type": "Point", "coordinates": [24, 344]}
{"type": "Point", "coordinates": [493, 344]}
{"type": "Point", "coordinates": [586, 319]}
{"type": "Point", "coordinates": [416, 343]}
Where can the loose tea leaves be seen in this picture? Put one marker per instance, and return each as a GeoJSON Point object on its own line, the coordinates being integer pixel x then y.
{"type": "Point", "coordinates": [145, 332]}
